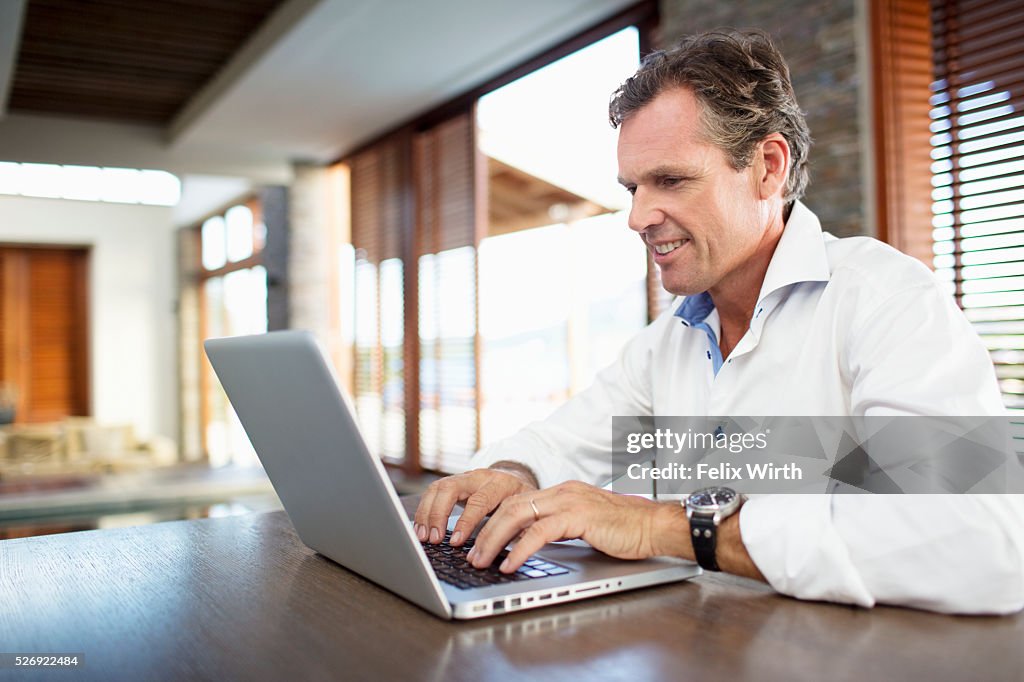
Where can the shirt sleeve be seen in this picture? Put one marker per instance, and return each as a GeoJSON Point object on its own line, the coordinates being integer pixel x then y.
{"type": "Point", "coordinates": [575, 441]}
{"type": "Point", "coordinates": [947, 553]}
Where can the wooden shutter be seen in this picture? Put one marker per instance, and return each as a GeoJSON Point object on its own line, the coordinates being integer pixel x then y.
{"type": "Point", "coordinates": [978, 172]}
{"type": "Point", "coordinates": [44, 331]}
{"type": "Point", "coordinates": [902, 76]}
{"type": "Point", "coordinates": [381, 197]}
{"type": "Point", "coordinates": [447, 169]}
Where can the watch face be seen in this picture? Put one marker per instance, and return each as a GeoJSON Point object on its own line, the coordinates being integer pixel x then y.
{"type": "Point", "coordinates": [711, 499]}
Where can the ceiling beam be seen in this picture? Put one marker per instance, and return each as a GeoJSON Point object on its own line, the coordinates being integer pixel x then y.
{"type": "Point", "coordinates": [283, 20]}
{"type": "Point", "coordinates": [11, 14]}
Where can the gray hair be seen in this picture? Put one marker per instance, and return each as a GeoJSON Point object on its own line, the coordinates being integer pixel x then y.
{"type": "Point", "coordinates": [741, 82]}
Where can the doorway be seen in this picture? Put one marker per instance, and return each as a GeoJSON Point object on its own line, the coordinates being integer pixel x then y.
{"type": "Point", "coordinates": [44, 358]}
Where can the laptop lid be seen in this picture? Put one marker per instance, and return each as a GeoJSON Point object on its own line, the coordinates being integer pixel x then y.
{"type": "Point", "coordinates": [335, 491]}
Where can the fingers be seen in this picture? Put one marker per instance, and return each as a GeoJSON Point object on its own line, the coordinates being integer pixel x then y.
{"type": "Point", "coordinates": [497, 486]}
{"type": "Point", "coordinates": [431, 519]}
{"type": "Point", "coordinates": [481, 489]}
{"type": "Point", "coordinates": [419, 520]}
{"type": "Point", "coordinates": [548, 529]}
{"type": "Point", "coordinates": [478, 505]}
{"type": "Point", "coordinates": [514, 515]}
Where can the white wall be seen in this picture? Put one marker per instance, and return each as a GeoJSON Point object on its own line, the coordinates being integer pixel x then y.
{"type": "Point", "coordinates": [133, 358]}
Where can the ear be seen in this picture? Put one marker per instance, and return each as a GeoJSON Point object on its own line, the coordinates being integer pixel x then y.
{"type": "Point", "coordinates": [773, 154]}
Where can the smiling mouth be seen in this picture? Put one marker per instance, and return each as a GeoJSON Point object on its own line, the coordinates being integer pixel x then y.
{"type": "Point", "coordinates": [665, 249]}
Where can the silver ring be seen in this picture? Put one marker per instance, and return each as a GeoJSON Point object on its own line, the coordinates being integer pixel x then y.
{"type": "Point", "coordinates": [536, 513]}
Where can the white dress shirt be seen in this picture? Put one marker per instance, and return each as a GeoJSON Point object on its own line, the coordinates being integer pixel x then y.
{"type": "Point", "coordinates": [841, 327]}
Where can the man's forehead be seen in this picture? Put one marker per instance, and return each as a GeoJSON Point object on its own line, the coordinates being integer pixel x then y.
{"type": "Point", "coordinates": [671, 119]}
{"type": "Point", "coordinates": [651, 150]}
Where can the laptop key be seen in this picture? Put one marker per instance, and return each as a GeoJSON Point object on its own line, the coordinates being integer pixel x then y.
{"type": "Point", "coordinates": [450, 566]}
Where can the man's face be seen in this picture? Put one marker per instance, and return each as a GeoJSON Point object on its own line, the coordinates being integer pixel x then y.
{"type": "Point", "coordinates": [700, 218]}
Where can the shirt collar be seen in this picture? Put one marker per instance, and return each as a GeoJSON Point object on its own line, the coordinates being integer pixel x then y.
{"type": "Point", "coordinates": [695, 309]}
{"type": "Point", "coordinates": [799, 257]}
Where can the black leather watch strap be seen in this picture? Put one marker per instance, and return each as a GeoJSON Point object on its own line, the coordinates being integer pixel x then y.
{"type": "Point", "coordinates": [704, 534]}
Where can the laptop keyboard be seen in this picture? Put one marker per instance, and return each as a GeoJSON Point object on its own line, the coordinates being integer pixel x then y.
{"type": "Point", "coordinates": [450, 565]}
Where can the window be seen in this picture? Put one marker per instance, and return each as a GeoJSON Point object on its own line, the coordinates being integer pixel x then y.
{"type": "Point", "coordinates": [562, 278]}
{"type": "Point", "coordinates": [90, 183]}
{"type": "Point", "coordinates": [380, 180]}
{"type": "Point", "coordinates": [446, 163]}
{"type": "Point", "coordinates": [545, 338]}
{"type": "Point", "coordinates": [977, 173]}
{"type": "Point", "coordinates": [440, 208]}
{"type": "Point", "coordinates": [233, 301]}
{"type": "Point", "coordinates": [949, 89]}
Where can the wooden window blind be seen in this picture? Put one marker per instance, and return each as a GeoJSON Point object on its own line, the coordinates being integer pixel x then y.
{"type": "Point", "coordinates": [902, 76]}
{"type": "Point", "coordinates": [448, 227]}
{"type": "Point", "coordinates": [380, 177]}
{"type": "Point", "coordinates": [977, 171]}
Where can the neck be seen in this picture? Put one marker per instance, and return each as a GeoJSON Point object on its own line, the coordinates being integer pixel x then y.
{"type": "Point", "coordinates": [736, 297]}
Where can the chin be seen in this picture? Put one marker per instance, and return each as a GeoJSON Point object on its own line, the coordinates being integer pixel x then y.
{"type": "Point", "coordinates": [682, 289]}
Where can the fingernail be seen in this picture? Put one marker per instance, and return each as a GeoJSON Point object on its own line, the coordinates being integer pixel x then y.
{"type": "Point", "coordinates": [504, 565]}
{"type": "Point", "coordinates": [470, 554]}
{"type": "Point", "coordinates": [435, 536]}
{"type": "Point", "coordinates": [456, 538]}
{"type": "Point", "coordinates": [421, 532]}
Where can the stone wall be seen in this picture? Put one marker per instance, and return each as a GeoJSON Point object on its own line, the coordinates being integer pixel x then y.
{"type": "Point", "coordinates": [820, 41]}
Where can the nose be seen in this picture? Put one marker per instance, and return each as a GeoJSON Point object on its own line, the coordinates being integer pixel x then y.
{"type": "Point", "coordinates": [644, 212]}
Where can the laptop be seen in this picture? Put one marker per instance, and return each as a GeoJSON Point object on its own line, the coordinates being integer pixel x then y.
{"type": "Point", "coordinates": [342, 504]}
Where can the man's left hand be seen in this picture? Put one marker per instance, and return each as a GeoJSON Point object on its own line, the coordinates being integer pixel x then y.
{"type": "Point", "coordinates": [618, 525]}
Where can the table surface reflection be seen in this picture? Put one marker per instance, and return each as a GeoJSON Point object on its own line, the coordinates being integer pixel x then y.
{"type": "Point", "coordinates": [242, 598]}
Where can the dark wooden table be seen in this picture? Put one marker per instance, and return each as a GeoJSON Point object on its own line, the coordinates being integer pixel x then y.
{"type": "Point", "coordinates": [241, 598]}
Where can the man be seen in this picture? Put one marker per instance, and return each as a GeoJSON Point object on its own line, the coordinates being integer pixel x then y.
{"type": "Point", "coordinates": [778, 318]}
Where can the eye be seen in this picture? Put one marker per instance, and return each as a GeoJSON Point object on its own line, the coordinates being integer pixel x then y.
{"type": "Point", "coordinates": [631, 189]}
{"type": "Point", "coordinates": [670, 181]}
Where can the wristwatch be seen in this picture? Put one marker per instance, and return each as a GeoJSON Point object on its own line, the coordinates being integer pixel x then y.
{"type": "Point", "coordinates": [705, 509]}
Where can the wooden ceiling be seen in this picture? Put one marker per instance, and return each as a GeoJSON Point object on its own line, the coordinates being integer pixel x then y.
{"type": "Point", "coordinates": [127, 60]}
{"type": "Point", "coordinates": [517, 200]}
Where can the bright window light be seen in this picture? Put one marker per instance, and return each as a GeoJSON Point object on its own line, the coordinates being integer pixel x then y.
{"type": "Point", "coordinates": [83, 182]}
{"type": "Point", "coordinates": [214, 239]}
{"type": "Point", "coordinates": [568, 141]}
{"type": "Point", "coordinates": [159, 188]}
{"type": "Point", "coordinates": [239, 233]}
{"type": "Point", "coordinates": [90, 183]}
{"type": "Point", "coordinates": [41, 180]}
{"type": "Point", "coordinates": [120, 185]}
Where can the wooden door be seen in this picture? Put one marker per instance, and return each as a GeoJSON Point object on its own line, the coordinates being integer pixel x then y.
{"type": "Point", "coordinates": [44, 330]}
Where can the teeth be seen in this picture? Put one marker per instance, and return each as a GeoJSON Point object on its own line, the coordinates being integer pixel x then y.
{"type": "Point", "coordinates": [665, 248]}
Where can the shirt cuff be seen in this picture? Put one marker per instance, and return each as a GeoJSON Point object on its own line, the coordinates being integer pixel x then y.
{"type": "Point", "coordinates": [792, 541]}
{"type": "Point", "coordinates": [525, 449]}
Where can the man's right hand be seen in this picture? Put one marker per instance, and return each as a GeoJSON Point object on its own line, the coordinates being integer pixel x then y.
{"type": "Point", "coordinates": [481, 489]}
